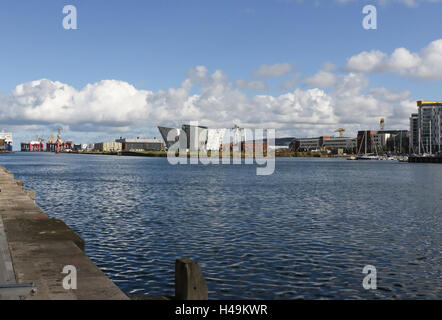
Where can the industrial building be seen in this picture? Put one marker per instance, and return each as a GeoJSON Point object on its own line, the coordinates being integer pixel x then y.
{"type": "Point", "coordinates": [428, 129]}
{"type": "Point", "coordinates": [323, 143]}
{"type": "Point", "coordinates": [140, 144]}
{"type": "Point", "coordinates": [335, 143]}
{"type": "Point", "coordinates": [80, 147]}
{"type": "Point", "coordinates": [108, 146]}
{"type": "Point", "coordinates": [306, 144]}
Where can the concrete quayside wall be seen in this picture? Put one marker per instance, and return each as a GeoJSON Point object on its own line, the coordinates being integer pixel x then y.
{"type": "Point", "coordinates": [35, 248]}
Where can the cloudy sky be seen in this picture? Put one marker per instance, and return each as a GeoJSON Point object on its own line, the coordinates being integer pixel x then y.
{"type": "Point", "coordinates": [303, 67]}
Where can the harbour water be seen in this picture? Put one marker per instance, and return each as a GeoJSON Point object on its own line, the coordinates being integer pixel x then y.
{"type": "Point", "coordinates": [306, 231]}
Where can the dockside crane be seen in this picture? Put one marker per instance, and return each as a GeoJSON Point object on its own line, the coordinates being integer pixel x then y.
{"type": "Point", "coordinates": [341, 132]}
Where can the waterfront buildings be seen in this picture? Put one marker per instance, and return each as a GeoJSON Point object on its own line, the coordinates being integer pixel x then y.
{"type": "Point", "coordinates": [247, 147]}
{"type": "Point", "coordinates": [323, 143]}
{"type": "Point", "coordinates": [196, 137]}
{"type": "Point", "coordinates": [429, 127]}
{"type": "Point", "coordinates": [335, 143]}
{"type": "Point", "coordinates": [279, 148]}
{"type": "Point", "coordinates": [394, 141]}
{"type": "Point", "coordinates": [306, 144]}
{"type": "Point", "coordinates": [366, 143]}
{"type": "Point", "coordinates": [215, 139]}
{"type": "Point", "coordinates": [164, 131]}
{"type": "Point", "coordinates": [140, 144]}
{"type": "Point", "coordinates": [81, 147]}
{"type": "Point", "coordinates": [382, 141]}
{"type": "Point", "coordinates": [108, 146]}
{"type": "Point", "coordinates": [414, 133]}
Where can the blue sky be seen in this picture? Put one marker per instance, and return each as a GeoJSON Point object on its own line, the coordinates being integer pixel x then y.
{"type": "Point", "coordinates": [152, 45]}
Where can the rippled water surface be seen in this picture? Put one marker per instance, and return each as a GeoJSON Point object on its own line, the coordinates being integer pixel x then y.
{"type": "Point", "coordinates": [304, 232]}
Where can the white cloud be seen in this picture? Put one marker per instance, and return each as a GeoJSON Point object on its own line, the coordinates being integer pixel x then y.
{"type": "Point", "coordinates": [322, 79]}
{"type": "Point", "coordinates": [388, 95]}
{"type": "Point", "coordinates": [328, 66]}
{"type": "Point", "coordinates": [402, 60]}
{"type": "Point", "coordinates": [45, 101]}
{"type": "Point", "coordinates": [358, 110]}
{"type": "Point", "coordinates": [251, 85]}
{"type": "Point", "coordinates": [366, 61]}
{"type": "Point", "coordinates": [291, 83]}
{"type": "Point", "coordinates": [198, 74]}
{"type": "Point", "coordinates": [274, 70]}
{"type": "Point", "coordinates": [113, 107]}
{"type": "Point", "coordinates": [350, 85]}
{"type": "Point", "coordinates": [424, 65]}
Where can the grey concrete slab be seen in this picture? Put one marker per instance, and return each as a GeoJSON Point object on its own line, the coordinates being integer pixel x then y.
{"type": "Point", "coordinates": [35, 249]}
{"type": "Point", "coordinates": [7, 275]}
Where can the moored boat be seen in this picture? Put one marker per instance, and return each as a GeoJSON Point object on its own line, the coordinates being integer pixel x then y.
{"type": "Point", "coordinates": [367, 157]}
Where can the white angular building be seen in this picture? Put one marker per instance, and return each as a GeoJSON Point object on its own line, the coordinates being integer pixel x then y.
{"type": "Point", "coordinates": [215, 139]}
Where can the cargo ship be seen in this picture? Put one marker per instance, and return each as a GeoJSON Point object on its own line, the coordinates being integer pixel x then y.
{"type": "Point", "coordinates": [5, 142]}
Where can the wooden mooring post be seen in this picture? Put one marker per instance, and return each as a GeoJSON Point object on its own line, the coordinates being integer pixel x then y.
{"type": "Point", "coordinates": [189, 281]}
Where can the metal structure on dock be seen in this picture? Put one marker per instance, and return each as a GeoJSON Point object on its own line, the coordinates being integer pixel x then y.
{"type": "Point", "coordinates": [5, 142]}
{"type": "Point", "coordinates": [52, 144]}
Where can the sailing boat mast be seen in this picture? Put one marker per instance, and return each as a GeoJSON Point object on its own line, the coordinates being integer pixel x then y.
{"type": "Point", "coordinates": [431, 149]}
{"type": "Point", "coordinates": [400, 144]}
{"type": "Point", "coordinates": [360, 146]}
{"type": "Point", "coordinates": [420, 129]}
{"type": "Point", "coordinates": [365, 134]}
{"type": "Point", "coordinates": [438, 120]}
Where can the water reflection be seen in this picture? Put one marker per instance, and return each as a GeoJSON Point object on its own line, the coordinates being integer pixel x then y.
{"type": "Point", "coordinates": [304, 232]}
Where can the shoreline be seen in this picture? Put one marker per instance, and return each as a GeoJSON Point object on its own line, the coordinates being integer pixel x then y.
{"type": "Point", "coordinates": [163, 154]}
